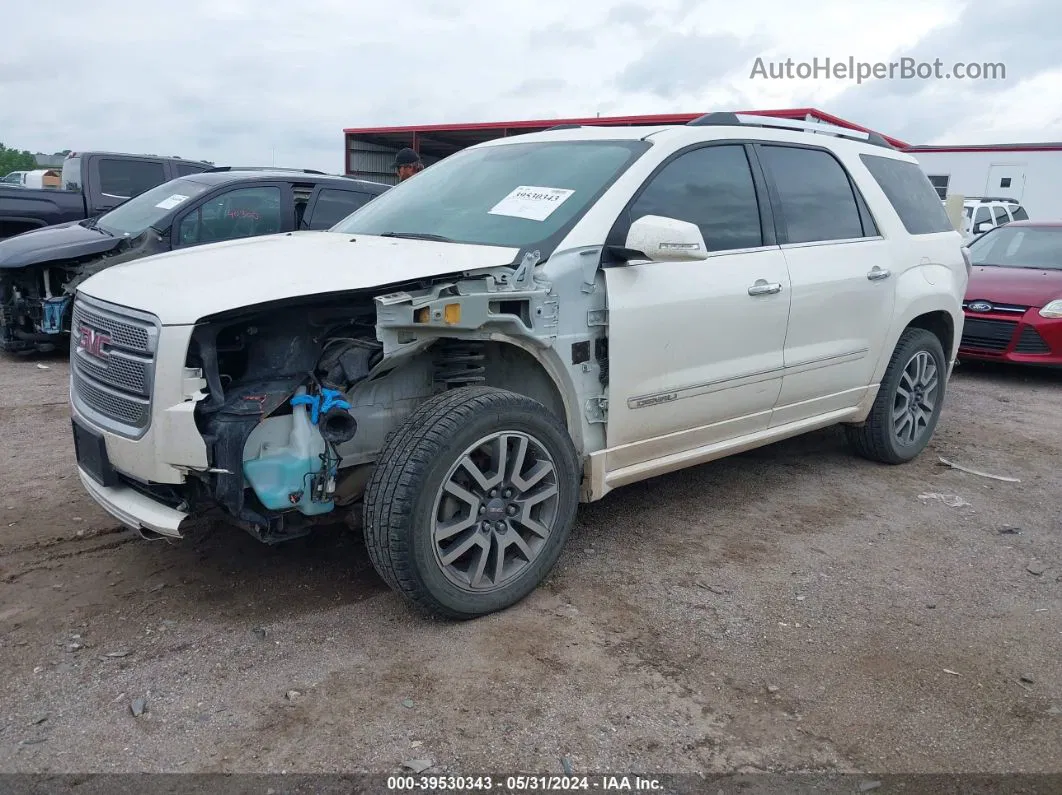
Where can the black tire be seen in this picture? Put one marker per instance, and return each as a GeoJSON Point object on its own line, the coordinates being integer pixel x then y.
{"type": "Point", "coordinates": [419, 458]}
{"type": "Point", "coordinates": [877, 439]}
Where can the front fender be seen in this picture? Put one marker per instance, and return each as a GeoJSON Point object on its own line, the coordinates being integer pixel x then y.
{"type": "Point", "coordinates": [554, 366]}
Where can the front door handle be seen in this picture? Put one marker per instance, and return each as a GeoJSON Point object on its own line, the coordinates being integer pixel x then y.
{"type": "Point", "coordinates": [877, 274]}
{"type": "Point", "coordinates": [762, 287]}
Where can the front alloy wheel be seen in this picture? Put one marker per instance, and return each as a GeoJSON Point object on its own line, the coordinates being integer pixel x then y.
{"type": "Point", "coordinates": [472, 501]}
{"type": "Point", "coordinates": [495, 511]}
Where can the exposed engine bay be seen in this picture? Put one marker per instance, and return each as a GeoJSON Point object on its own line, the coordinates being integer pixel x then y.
{"type": "Point", "coordinates": [34, 307]}
{"type": "Point", "coordinates": [298, 402]}
{"type": "Point", "coordinates": [294, 399]}
{"type": "Point", "coordinates": [35, 300]}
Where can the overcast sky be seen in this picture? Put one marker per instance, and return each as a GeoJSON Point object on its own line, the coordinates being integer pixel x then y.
{"type": "Point", "coordinates": [244, 82]}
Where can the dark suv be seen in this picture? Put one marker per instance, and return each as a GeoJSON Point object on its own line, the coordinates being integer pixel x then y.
{"type": "Point", "coordinates": [39, 270]}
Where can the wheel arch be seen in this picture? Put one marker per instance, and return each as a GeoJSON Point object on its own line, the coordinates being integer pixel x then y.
{"type": "Point", "coordinates": [939, 323]}
{"type": "Point", "coordinates": [535, 372]}
{"type": "Point", "coordinates": [939, 313]}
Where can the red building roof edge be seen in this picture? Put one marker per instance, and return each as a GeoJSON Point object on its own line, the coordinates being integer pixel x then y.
{"type": "Point", "coordinates": [1044, 147]}
{"type": "Point", "coordinates": [616, 121]}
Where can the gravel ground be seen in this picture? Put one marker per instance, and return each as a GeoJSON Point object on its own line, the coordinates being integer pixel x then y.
{"type": "Point", "coordinates": [793, 608]}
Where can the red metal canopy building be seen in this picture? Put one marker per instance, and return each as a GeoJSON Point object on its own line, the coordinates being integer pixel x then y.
{"type": "Point", "coordinates": [369, 151]}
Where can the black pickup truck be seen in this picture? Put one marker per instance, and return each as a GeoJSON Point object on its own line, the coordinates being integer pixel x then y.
{"type": "Point", "coordinates": [93, 183]}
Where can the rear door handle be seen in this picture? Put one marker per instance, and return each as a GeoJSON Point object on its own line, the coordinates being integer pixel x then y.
{"type": "Point", "coordinates": [762, 287]}
{"type": "Point", "coordinates": [877, 274]}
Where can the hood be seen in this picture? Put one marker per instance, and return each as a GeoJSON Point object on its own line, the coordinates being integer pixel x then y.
{"type": "Point", "coordinates": [180, 287]}
{"type": "Point", "coordinates": [1021, 286]}
{"type": "Point", "coordinates": [62, 241]}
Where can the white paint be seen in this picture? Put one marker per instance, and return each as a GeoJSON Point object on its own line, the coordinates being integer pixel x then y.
{"type": "Point", "coordinates": [671, 327]}
{"type": "Point", "coordinates": [531, 202]}
{"type": "Point", "coordinates": [666, 239]}
{"type": "Point", "coordinates": [182, 286]}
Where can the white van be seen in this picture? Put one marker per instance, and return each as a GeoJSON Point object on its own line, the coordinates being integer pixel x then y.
{"type": "Point", "coordinates": [14, 178]}
{"type": "Point", "coordinates": [38, 178]}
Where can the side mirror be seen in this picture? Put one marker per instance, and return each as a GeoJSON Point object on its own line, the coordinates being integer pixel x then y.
{"type": "Point", "coordinates": [985, 226]}
{"type": "Point", "coordinates": [660, 239]}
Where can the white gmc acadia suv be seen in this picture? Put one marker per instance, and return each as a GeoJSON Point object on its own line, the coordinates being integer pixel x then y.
{"type": "Point", "coordinates": [527, 324]}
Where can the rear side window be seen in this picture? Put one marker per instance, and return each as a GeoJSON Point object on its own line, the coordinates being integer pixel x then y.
{"type": "Point", "coordinates": [72, 173]}
{"type": "Point", "coordinates": [711, 187]}
{"type": "Point", "coordinates": [1002, 217]}
{"type": "Point", "coordinates": [911, 194]}
{"type": "Point", "coordinates": [818, 203]}
{"type": "Point", "coordinates": [333, 206]}
{"type": "Point", "coordinates": [1020, 214]}
{"type": "Point", "coordinates": [241, 212]}
{"type": "Point", "coordinates": [185, 169]}
{"type": "Point", "coordinates": [126, 178]}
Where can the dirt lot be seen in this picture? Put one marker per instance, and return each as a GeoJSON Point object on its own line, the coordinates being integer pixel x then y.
{"type": "Point", "coordinates": [790, 609]}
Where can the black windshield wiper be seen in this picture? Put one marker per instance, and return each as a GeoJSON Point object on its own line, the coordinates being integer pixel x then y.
{"type": "Point", "coordinates": [95, 227]}
{"type": "Point", "coordinates": [417, 236]}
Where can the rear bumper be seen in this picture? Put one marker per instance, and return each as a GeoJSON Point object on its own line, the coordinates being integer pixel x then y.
{"type": "Point", "coordinates": [1022, 339]}
{"type": "Point", "coordinates": [133, 509]}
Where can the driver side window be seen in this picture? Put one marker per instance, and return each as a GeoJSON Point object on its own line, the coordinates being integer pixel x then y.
{"type": "Point", "coordinates": [711, 187]}
{"type": "Point", "coordinates": [243, 212]}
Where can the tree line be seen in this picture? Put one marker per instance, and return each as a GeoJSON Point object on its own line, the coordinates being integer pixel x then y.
{"type": "Point", "coordinates": [16, 160]}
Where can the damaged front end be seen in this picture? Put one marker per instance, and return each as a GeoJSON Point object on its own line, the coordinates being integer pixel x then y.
{"type": "Point", "coordinates": [34, 309]}
{"type": "Point", "coordinates": [274, 417]}
{"type": "Point", "coordinates": [294, 400]}
{"type": "Point", "coordinates": [36, 299]}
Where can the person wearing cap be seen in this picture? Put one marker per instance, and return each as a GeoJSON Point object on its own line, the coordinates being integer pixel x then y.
{"type": "Point", "coordinates": [407, 163]}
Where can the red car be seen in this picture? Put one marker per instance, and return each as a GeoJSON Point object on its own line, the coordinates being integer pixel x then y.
{"type": "Point", "coordinates": [1013, 304]}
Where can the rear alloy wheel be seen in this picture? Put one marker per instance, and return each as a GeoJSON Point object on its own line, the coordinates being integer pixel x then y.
{"type": "Point", "coordinates": [915, 399]}
{"type": "Point", "coordinates": [908, 405]}
{"type": "Point", "coordinates": [472, 501]}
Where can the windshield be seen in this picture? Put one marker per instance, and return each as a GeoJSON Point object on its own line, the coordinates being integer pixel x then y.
{"type": "Point", "coordinates": [513, 195]}
{"type": "Point", "coordinates": [1020, 247]}
{"type": "Point", "coordinates": [131, 218]}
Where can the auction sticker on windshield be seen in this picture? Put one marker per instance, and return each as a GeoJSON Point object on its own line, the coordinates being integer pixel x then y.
{"type": "Point", "coordinates": [531, 202]}
{"type": "Point", "coordinates": [171, 201]}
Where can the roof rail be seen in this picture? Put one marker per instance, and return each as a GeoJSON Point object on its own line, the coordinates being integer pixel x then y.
{"type": "Point", "coordinates": [994, 199]}
{"type": "Point", "coordinates": [266, 168]}
{"type": "Point", "coordinates": [728, 119]}
{"type": "Point", "coordinates": [563, 127]}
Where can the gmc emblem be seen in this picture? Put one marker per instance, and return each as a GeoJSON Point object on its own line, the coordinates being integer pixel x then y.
{"type": "Point", "coordinates": [92, 342]}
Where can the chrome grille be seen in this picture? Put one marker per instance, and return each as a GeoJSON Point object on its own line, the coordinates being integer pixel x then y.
{"type": "Point", "coordinates": [1016, 309]}
{"type": "Point", "coordinates": [127, 374]}
{"type": "Point", "coordinates": [132, 336]}
{"type": "Point", "coordinates": [115, 406]}
{"type": "Point", "coordinates": [112, 365]}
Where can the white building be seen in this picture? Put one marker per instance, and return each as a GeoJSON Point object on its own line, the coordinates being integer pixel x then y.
{"type": "Point", "coordinates": [1028, 173]}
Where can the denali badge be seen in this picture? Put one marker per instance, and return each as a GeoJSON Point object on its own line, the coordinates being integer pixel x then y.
{"type": "Point", "coordinates": [980, 306]}
{"type": "Point", "coordinates": [92, 342]}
